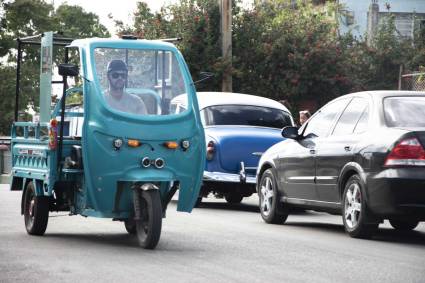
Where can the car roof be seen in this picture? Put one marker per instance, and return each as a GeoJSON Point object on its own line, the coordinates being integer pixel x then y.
{"type": "Point", "coordinates": [206, 99]}
{"type": "Point", "coordinates": [381, 94]}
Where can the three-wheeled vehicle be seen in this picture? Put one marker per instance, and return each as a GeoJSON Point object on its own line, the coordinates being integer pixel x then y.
{"type": "Point", "coordinates": [126, 154]}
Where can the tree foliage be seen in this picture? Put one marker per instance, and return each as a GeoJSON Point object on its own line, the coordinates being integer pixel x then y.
{"type": "Point", "coordinates": [196, 22]}
{"type": "Point", "coordinates": [282, 49]}
{"type": "Point", "coordinates": [287, 52]}
{"type": "Point", "coordinates": [21, 18]}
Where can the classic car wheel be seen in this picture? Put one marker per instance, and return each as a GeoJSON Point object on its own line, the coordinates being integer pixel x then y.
{"type": "Point", "coordinates": [149, 225]}
{"type": "Point", "coordinates": [130, 226]}
{"type": "Point", "coordinates": [36, 211]}
{"type": "Point", "coordinates": [233, 198]}
{"type": "Point", "coordinates": [404, 224]}
{"type": "Point", "coordinates": [269, 201]}
{"type": "Point", "coordinates": [354, 214]}
{"type": "Point", "coordinates": [198, 202]}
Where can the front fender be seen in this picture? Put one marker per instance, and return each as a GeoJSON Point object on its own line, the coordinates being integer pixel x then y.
{"type": "Point", "coordinates": [188, 191]}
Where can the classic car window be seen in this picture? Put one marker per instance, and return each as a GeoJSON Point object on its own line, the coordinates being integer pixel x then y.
{"type": "Point", "coordinates": [404, 111]}
{"type": "Point", "coordinates": [348, 120]}
{"type": "Point", "coordinates": [320, 124]}
{"type": "Point", "coordinates": [246, 115]}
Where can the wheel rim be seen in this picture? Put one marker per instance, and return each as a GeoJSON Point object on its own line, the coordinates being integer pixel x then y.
{"type": "Point", "coordinates": [30, 209]}
{"type": "Point", "coordinates": [266, 195]}
{"type": "Point", "coordinates": [353, 205]}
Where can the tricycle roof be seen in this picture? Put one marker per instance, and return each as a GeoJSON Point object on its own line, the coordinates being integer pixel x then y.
{"type": "Point", "coordinates": [122, 43]}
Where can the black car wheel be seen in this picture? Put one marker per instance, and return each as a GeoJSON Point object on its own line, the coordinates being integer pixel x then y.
{"type": "Point", "coordinates": [148, 227]}
{"type": "Point", "coordinates": [269, 199]}
{"type": "Point", "coordinates": [354, 214]}
{"type": "Point", "coordinates": [36, 211]}
{"type": "Point", "coordinates": [404, 224]}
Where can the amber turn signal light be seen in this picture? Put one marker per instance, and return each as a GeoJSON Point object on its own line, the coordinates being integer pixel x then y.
{"type": "Point", "coordinates": [171, 144]}
{"type": "Point", "coordinates": [134, 143]}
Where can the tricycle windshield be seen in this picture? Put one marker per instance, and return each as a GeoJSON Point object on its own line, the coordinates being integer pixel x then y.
{"type": "Point", "coordinates": [138, 81]}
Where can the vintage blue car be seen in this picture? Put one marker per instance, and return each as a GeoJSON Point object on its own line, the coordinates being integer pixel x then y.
{"type": "Point", "coordinates": [238, 129]}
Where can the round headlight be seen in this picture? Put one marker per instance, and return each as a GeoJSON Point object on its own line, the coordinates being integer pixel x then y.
{"type": "Point", "coordinates": [117, 143]}
{"type": "Point", "coordinates": [185, 144]}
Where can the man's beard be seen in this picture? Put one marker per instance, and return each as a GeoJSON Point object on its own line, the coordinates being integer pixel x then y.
{"type": "Point", "coordinates": [117, 85]}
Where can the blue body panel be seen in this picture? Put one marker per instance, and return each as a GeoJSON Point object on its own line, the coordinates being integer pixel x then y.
{"type": "Point", "coordinates": [235, 144]}
{"type": "Point", "coordinates": [104, 167]}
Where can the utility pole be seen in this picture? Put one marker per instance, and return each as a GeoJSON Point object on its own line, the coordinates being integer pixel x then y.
{"type": "Point", "coordinates": [226, 42]}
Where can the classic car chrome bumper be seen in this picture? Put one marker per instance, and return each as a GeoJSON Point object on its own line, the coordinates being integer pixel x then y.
{"type": "Point", "coordinates": [231, 178]}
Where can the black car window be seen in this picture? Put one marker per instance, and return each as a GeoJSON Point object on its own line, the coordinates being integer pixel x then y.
{"type": "Point", "coordinates": [363, 122]}
{"type": "Point", "coordinates": [246, 115]}
{"type": "Point", "coordinates": [404, 111]}
{"type": "Point", "coordinates": [348, 120]}
{"type": "Point", "coordinates": [321, 123]}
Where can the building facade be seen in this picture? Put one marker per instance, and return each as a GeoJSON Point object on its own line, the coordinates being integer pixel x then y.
{"type": "Point", "coordinates": [362, 17]}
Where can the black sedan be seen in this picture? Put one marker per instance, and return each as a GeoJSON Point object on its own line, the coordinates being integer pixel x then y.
{"type": "Point", "coordinates": [361, 155]}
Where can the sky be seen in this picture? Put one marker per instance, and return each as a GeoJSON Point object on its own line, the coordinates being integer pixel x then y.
{"type": "Point", "coordinates": [120, 10]}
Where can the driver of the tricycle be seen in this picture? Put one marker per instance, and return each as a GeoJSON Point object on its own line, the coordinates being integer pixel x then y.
{"type": "Point", "coordinates": [116, 96]}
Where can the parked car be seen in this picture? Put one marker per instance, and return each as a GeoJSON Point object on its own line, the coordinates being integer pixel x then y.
{"type": "Point", "coordinates": [238, 129]}
{"type": "Point", "coordinates": [361, 155]}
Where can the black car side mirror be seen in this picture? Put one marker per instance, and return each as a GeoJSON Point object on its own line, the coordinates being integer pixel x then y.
{"type": "Point", "coordinates": [70, 70]}
{"type": "Point", "coordinates": [290, 133]}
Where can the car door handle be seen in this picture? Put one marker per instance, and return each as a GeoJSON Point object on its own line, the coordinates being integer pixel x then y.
{"type": "Point", "coordinates": [312, 151]}
{"type": "Point", "coordinates": [347, 148]}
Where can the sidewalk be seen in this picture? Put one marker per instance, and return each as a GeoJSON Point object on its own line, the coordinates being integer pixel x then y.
{"type": "Point", "coordinates": [5, 179]}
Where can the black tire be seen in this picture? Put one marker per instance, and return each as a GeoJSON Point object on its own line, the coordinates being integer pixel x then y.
{"type": "Point", "coordinates": [404, 224]}
{"type": "Point", "coordinates": [269, 199]}
{"type": "Point", "coordinates": [130, 226]}
{"type": "Point", "coordinates": [149, 226]}
{"type": "Point", "coordinates": [36, 211]}
{"type": "Point", "coordinates": [357, 222]}
{"type": "Point", "coordinates": [233, 198]}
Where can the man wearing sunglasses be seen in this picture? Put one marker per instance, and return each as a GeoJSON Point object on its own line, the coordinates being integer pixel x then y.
{"type": "Point", "coordinates": [116, 95]}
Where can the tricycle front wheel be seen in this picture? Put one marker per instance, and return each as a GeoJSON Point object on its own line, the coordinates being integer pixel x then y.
{"type": "Point", "coordinates": [148, 227]}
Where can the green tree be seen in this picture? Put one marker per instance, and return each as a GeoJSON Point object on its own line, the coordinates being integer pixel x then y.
{"type": "Point", "coordinates": [20, 18]}
{"type": "Point", "coordinates": [286, 51]}
{"type": "Point", "coordinates": [196, 22]}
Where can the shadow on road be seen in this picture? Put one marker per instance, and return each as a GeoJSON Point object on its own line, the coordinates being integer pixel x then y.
{"type": "Point", "coordinates": [227, 206]}
{"type": "Point", "coordinates": [122, 240]}
{"type": "Point", "coordinates": [394, 236]}
{"type": "Point", "coordinates": [382, 235]}
{"type": "Point", "coordinates": [330, 227]}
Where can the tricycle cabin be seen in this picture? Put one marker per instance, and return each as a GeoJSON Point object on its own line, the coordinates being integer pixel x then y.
{"type": "Point", "coordinates": [122, 151]}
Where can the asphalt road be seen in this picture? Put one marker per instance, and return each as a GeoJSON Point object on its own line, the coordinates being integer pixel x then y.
{"type": "Point", "coordinates": [215, 243]}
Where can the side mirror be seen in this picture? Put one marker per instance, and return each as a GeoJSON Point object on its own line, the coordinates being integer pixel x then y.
{"type": "Point", "coordinates": [290, 133]}
{"type": "Point", "coordinates": [70, 70]}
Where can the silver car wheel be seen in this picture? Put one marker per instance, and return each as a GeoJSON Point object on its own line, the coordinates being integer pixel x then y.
{"type": "Point", "coordinates": [266, 196]}
{"type": "Point", "coordinates": [353, 205]}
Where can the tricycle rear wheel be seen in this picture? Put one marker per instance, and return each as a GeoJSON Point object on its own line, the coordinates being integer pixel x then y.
{"type": "Point", "coordinates": [149, 225]}
{"type": "Point", "coordinates": [36, 211]}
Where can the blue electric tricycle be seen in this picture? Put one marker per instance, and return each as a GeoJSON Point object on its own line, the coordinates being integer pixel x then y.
{"type": "Point", "coordinates": [121, 153]}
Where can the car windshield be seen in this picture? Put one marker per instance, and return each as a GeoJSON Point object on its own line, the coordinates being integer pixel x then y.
{"type": "Point", "coordinates": [246, 115]}
{"type": "Point", "coordinates": [138, 81]}
{"type": "Point", "coordinates": [404, 111]}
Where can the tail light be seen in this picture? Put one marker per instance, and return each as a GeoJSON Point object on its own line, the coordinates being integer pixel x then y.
{"type": "Point", "coordinates": [408, 152]}
{"type": "Point", "coordinates": [210, 150]}
{"type": "Point", "coordinates": [53, 134]}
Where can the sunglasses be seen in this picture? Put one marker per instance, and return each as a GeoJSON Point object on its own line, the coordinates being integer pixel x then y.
{"type": "Point", "coordinates": [116, 75]}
